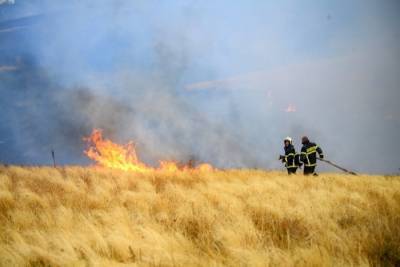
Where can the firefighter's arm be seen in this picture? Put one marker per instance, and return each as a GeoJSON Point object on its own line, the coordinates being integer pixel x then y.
{"type": "Point", "coordinates": [303, 154]}
{"type": "Point", "coordinates": [298, 159]}
{"type": "Point", "coordinates": [320, 152]}
{"type": "Point", "coordinates": [290, 157]}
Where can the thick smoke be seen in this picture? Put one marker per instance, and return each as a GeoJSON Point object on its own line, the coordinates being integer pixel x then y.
{"type": "Point", "coordinates": [186, 81]}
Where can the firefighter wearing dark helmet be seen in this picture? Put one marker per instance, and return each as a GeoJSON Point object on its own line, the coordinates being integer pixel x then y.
{"type": "Point", "coordinates": [309, 155]}
{"type": "Point", "coordinates": [289, 159]}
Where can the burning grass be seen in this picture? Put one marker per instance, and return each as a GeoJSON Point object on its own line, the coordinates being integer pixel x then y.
{"type": "Point", "coordinates": [123, 157]}
{"type": "Point", "coordinates": [77, 216]}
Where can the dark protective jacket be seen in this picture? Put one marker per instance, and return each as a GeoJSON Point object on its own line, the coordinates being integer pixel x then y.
{"type": "Point", "coordinates": [290, 157]}
{"type": "Point", "coordinates": [309, 154]}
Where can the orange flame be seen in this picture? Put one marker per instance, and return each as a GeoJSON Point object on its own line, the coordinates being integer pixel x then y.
{"type": "Point", "coordinates": [111, 155]}
{"type": "Point", "coordinates": [291, 108]}
{"type": "Point", "coordinates": [168, 166]}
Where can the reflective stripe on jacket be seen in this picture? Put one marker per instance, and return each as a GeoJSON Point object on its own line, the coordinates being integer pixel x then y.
{"type": "Point", "coordinates": [309, 154]}
{"type": "Point", "coordinates": [290, 155]}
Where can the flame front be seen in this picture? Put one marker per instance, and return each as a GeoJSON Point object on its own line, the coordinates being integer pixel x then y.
{"type": "Point", "coordinates": [111, 155]}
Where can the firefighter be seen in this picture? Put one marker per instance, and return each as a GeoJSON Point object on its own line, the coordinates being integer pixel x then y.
{"type": "Point", "coordinates": [308, 155]}
{"type": "Point", "coordinates": [290, 158]}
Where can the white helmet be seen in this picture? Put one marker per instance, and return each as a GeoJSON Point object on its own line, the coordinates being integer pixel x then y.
{"type": "Point", "coordinates": [289, 139]}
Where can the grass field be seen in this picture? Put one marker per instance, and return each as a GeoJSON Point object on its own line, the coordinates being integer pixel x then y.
{"type": "Point", "coordinates": [77, 216]}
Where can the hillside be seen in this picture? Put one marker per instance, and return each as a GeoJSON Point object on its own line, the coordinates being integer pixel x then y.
{"type": "Point", "coordinates": [77, 216]}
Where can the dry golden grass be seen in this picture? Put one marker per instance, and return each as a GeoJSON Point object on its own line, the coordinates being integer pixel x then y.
{"type": "Point", "coordinates": [80, 216]}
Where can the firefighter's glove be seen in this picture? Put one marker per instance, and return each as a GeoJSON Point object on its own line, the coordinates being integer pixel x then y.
{"type": "Point", "coordinates": [321, 156]}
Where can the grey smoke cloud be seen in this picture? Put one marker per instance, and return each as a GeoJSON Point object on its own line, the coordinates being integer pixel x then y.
{"type": "Point", "coordinates": [183, 81]}
{"type": "Point", "coordinates": [349, 103]}
{"type": "Point", "coordinates": [2, 2]}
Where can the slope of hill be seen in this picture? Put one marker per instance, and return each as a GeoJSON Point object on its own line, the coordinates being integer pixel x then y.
{"type": "Point", "coordinates": [76, 216]}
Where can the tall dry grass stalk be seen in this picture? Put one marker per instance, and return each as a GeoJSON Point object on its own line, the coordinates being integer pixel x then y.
{"type": "Point", "coordinates": [80, 216]}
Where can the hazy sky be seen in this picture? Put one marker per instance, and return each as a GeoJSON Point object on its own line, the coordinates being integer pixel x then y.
{"type": "Point", "coordinates": [209, 79]}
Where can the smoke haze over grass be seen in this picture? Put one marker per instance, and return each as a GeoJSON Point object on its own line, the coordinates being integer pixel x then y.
{"type": "Point", "coordinates": [201, 79]}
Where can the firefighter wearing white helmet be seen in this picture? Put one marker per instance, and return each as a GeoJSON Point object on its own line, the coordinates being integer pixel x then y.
{"type": "Point", "coordinates": [290, 159]}
{"type": "Point", "coordinates": [288, 139]}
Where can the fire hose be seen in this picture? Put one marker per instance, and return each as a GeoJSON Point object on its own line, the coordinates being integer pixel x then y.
{"type": "Point", "coordinates": [337, 166]}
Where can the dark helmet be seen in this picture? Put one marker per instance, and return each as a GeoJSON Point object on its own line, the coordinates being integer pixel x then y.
{"type": "Point", "coordinates": [304, 140]}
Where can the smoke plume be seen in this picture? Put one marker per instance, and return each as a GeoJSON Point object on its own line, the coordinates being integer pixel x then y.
{"type": "Point", "coordinates": [222, 83]}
